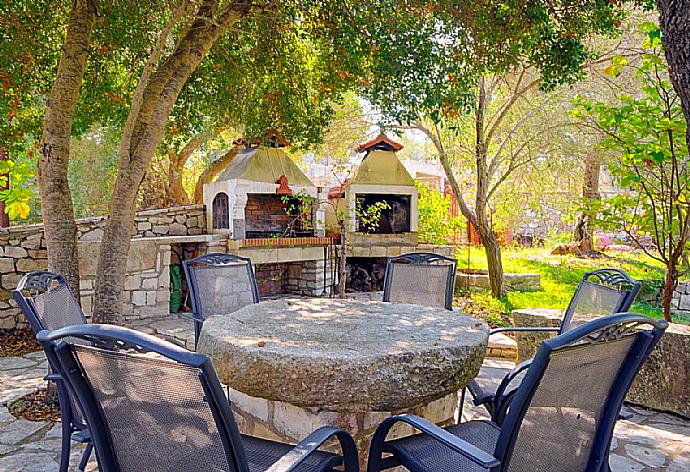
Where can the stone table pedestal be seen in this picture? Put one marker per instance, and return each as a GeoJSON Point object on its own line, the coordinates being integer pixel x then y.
{"type": "Point", "coordinates": [296, 364]}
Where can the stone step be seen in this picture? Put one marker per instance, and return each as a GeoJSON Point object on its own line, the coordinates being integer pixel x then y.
{"type": "Point", "coordinates": [502, 346]}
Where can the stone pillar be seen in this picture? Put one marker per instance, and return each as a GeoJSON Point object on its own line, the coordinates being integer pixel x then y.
{"type": "Point", "coordinates": [528, 343]}
{"type": "Point", "coordinates": [237, 217]}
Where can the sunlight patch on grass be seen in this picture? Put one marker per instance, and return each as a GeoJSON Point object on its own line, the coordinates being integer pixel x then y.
{"type": "Point", "coordinates": [559, 277]}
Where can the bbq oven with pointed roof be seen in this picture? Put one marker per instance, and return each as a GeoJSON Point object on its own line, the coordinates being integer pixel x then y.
{"type": "Point", "coordinates": [381, 177]}
{"type": "Point", "coordinates": [255, 197]}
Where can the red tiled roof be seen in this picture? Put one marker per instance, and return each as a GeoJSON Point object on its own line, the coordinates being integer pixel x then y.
{"type": "Point", "coordinates": [381, 139]}
{"type": "Point", "coordinates": [339, 191]}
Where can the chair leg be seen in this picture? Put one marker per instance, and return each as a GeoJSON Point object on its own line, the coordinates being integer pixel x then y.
{"type": "Point", "coordinates": [66, 446]}
{"type": "Point", "coordinates": [86, 456]}
{"type": "Point", "coordinates": [462, 404]}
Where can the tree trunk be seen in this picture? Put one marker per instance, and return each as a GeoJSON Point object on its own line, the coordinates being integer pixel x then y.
{"type": "Point", "coordinates": [212, 171]}
{"type": "Point", "coordinates": [493, 257]}
{"type": "Point", "coordinates": [669, 287]}
{"type": "Point", "coordinates": [142, 136]}
{"type": "Point", "coordinates": [483, 226]}
{"type": "Point", "coordinates": [584, 229]}
{"type": "Point", "coordinates": [674, 19]}
{"type": "Point", "coordinates": [56, 201]}
{"type": "Point", "coordinates": [176, 192]}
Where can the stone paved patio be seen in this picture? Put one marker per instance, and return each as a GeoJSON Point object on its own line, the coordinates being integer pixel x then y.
{"type": "Point", "coordinates": [649, 441]}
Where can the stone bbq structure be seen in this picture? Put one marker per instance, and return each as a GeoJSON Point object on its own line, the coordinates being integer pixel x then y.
{"type": "Point", "coordinates": [380, 177]}
{"type": "Point", "coordinates": [260, 204]}
{"type": "Point", "coordinates": [255, 197]}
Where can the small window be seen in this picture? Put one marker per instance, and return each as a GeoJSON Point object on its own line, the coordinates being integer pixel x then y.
{"type": "Point", "coordinates": [221, 217]}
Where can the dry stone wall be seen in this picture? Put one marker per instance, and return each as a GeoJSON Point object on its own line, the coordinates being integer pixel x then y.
{"type": "Point", "coordinates": [22, 250]}
{"type": "Point", "coordinates": [663, 382]}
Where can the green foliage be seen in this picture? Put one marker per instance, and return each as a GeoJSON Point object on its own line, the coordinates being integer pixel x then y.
{"type": "Point", "coordinates": [18, 196]}
{"type": "Point", "coordinates": [92, 170]}
{"type": "Point", "coordinates": [19, 173]}
{"type": "Point", "coordinates": [370, 217]}
{"type": "Point", "coordinates": [648, 133]}
{"type": "Point", "coordinates": [436, 225]}
{"type": "Point", "coordinates": [559, 278]}
{"type": "Point", "coordinates": [428, 56]}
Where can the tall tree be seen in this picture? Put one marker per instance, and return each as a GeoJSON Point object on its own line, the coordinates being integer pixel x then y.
{"type": "Point", "coordinates": [674, 19]}
{"type": "Point", "coordinates": [510, 126]}
{"type": "Point", "coordinates": [584, 226]}
{"type": "Point", "coordinates": [434, 59]}
{"type": "Point", "coordinates": [647, 131]}
{"type": "Point", "coordinates": [60, 228]}
{"type": "Point", "coordinates": [156, 93]}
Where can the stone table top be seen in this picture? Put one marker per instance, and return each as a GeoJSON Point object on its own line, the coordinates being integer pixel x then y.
{"type": "Point", "coordinates": [345, 355]}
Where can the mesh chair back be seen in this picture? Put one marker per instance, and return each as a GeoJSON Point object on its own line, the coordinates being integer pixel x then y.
{"type": "Point", "coordinates": [420, 279]}
{"type": "Point", "coordinates": [47, 301]}
{"type": "Point", "coordinates": [566, 407]}
{"type": "Point", "coordinates": [158, 411]}
{"type": "Point", "coordinates": [220, 284]}
{"type": "Point", "coordinates": [600, 293]}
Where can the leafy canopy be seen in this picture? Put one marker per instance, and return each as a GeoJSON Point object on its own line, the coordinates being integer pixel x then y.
{"type": "Point", "coordinates": [647, 131]}
{"type": "Point", "coordinates": [424, 58]}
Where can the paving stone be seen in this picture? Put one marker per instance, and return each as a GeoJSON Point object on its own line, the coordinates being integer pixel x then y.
{"type": "Point", "coordinates": [5, 416]}
{"type": "Point", "coordinates": [5, 449]}
{"type": "Point", "coordinates": [37, 355]}
{"type": "Point", "coordinates": [681, 463]}
{"type": "Point", "coordinates": [44, 444]}
{"type": "Point", "coordinates": [29, 462]}
{"type": "Point", "coordinates": [8, 364]}
{"type": "Point", "coordinates": [614, 444]}
{"type": "Point", "coordinates": [623, 464]}
{"type": "Point", "coordinates": [681, 429]}
{"type": "Point", "coordinates": [20, 430]}
{"type": "Point", "coordinates": [649, 457]}
{"type": "Point", "coordinates": [9, 395]}
{"type": "Point", "coordinates": [55, 432]}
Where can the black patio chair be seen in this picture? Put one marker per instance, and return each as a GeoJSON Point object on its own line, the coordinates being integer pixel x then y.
{"type": "Point", "coordinates": [48, 303]}
{"type": "Point", "coordinates": [219, 284]}
{"type": "Point", "coordinates": [420, 278]}
{"type": "Point", "coordinates": [601, 292]}
{"type": "Point", "coordinates": [155, 406]}
{"type": "Point", "coordinates": [561, 418]}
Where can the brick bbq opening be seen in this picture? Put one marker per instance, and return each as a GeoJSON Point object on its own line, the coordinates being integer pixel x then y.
{"type": "Point", "coordinates": [277, 216]}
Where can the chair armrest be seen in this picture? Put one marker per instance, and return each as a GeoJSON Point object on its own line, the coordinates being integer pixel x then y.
{"type": "Point", "coordinates": [524, 329]}
{"type": "Point", "coordinates": [624, 415]}
{"type": "Point", "coordinates": [53, 377]}
{"type": "Point", "coordinates": [172, 340]}
{"type": "Point", "coordinates": [311, 443]}
{"type": "Point", "coordinates": [505, 383]}
{"type": "Point", "coordinates": [466, 449]}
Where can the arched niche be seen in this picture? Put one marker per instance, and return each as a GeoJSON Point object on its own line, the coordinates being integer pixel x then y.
{"type": "Point", "coordinates": [221, 208]}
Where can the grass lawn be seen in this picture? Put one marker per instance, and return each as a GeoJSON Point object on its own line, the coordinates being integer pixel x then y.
{"type": "Point", "coordinates": [559, 278]}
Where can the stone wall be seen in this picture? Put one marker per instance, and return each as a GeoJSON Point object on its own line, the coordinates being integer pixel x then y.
{"type": "Point", "coordinates": [22, 250]}
{"type": "Point", "coordinates": [652, 291]}
{"type": "Point", "coordinates": [306, 278]}
{"type": "Point", "coordinates": [147, 280]}
{"type": "Point", "coordinates": [477, 280]}
{"type": "Point", "coordinates": [663, 382]}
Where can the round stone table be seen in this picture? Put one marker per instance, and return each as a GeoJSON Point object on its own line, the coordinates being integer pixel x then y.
{"type": "Point", "coordinates": [296, 364]}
